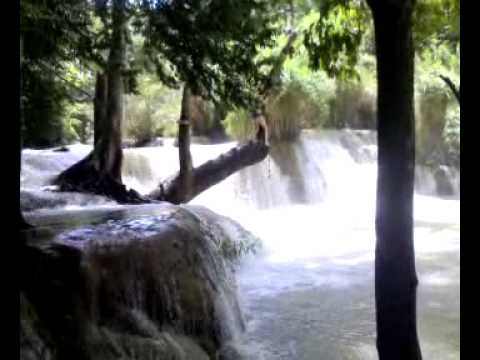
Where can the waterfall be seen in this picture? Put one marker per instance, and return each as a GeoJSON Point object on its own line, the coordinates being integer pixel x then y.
{"type": "Point", "coordinates": [309, 293]}
{"type": "Point", "coordinates": [329, 165]}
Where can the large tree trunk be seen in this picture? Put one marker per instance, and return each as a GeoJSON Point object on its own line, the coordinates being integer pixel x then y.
{"type": "Point", "coordinates": [101, 171]}
{"type": "Point", "coordinates": [395, 276]}
{"type": "Point", "coordinates": [99, 105]}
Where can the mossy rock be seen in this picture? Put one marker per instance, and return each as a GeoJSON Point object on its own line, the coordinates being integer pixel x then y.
{"type": "Point", "coordinates": [165, 291]}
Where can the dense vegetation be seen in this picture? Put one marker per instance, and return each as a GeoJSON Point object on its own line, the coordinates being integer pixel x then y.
{"type": "Point", "coordinates": [104, 71]}
{"type": "Point", "coordinates": [304, 99]}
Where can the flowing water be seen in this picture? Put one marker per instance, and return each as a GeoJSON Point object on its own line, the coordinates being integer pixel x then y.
{"type": "Point", "coordinates": [310, 293]}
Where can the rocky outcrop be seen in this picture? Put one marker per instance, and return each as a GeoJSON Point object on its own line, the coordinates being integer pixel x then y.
{"type": "Point", "coordinates": [157, 287]}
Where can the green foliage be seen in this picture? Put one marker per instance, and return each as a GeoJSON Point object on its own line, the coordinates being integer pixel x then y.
{"type": "Point", "coordinates": [236, 250]}
{"type": "Point", "coordinates": [302, 102]}
{"type": "Point", "coordinates": [434, 62]}
{"type": "Point", "coordinates": [42, 117]}
{"type": "Point", "coordinates": [56, 108]}
{"type": "Point", "coordinates": [153, 112]}
{"type": "Point", "coordinates": [239, 124]}
{"type": "Point", "coordinates": [55, 36]}
{"type": "Point", "coordinates": [334, 39]}
{"type": "Point", "coordinates": [436, 22]}
{"type": "Point", "coordinates": [354, 106]}
{"type": "Point", "coordinates": [55, 30]}
{"type": "Point", "coordinates": [212, 45]}
{"type": "Point", "coordinates": [78, 122]}
{"type": "Point", "coordinates": [224, 49]}
{"type": "Point", "coordinates": [138, 119]}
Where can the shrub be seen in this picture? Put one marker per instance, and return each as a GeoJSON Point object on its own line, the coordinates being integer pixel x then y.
{"type": "Point", "coordinates": [138, 119]}
{"type": "Point", "coordinates": [153, 112]}
{"type": "Point", "coordinates": [301, 102]}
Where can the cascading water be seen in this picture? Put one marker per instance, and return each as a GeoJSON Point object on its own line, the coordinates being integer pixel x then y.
{"type": "Point", "coordinates": [310, 294]}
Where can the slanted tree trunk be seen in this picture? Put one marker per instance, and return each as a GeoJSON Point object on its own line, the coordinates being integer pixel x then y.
{"type": "Point", "coordinates": [190, 182]}
{"type": "Point", "coordinates": [100, 172]}
{"type": "Point", "coordinates": [212, 172]}
{"type": "Point", "coordinates": [452, 87]}
{"type": "Point", "coordinates": [395, 276]}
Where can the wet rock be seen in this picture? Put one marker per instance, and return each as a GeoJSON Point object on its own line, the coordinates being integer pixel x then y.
{"type": "Point", "coordinates": [61, 149]}
{"type": "Point", "coordinates": [158, 287]}
{"type": "Point", "coordinates": [33, 344]}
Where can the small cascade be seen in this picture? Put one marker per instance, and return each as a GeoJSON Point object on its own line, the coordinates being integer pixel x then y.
{"type": "Point", "coordinates": [319, 166]}
{"type": "Point", "coordinates": [308, 292]}
{"type": "Point", "coordinates": [169, 274]}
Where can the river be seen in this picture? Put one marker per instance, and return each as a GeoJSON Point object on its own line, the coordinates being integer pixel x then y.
{"type": "Point", "coordinates": [309, 294]}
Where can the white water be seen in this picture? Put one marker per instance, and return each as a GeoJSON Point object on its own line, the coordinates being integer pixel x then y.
{"type": "Point", "coordinates": [309, 295]}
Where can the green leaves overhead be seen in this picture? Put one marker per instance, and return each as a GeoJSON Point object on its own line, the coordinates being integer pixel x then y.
{"type": "Point", "coordinates": [333, 41]}
{"type": "Point", "coordinates": [56, 30]}
{"type": "Point", "coordinates": [212, 45]}
{"type": "Point", "coordinates": [436, 22]}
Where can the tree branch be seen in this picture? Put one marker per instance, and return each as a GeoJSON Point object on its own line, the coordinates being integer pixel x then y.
{"type": "Point", "coordinates": [452, 87]}
{"type": "Point", "coordinates": [211, 173]}
{"type": "Point", "coordinates": [214, 171]}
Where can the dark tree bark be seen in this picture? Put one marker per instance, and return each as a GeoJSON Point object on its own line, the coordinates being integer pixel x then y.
{"type": "Point", "coordinates": [99, 105]}
{"type": "Point", "coordinates": [395, 275]}
{"type": "Point", "coordinates": [101, 171]}
{"type": "Point", "coordinates": [452, 87]}
{"type": "Point", "coordinates": [211, 172]}
{"type": "Point", "coordinates": [184, 155]}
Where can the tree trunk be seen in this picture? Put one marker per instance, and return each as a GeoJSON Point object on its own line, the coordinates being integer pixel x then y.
{"type": "Point", "coordinates": [395, 276]}
{"type": "Point", "coordinates": [184, 155]}
{"type": "Point", "coordinates": [211, 172]}
{"type": "Point", "coordinates": [101, 171]}
{"type": "Point", "coordinates": [111, 155]}
{"type": "Point", "coordinates": [99, 105]}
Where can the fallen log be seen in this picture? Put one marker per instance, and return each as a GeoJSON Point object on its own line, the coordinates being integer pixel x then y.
{"type": "Point", "coordinates": [211, 172]}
